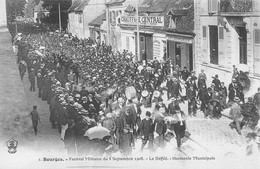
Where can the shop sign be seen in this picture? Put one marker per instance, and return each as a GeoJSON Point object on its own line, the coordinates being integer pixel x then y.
{"type": "Point", "coordinates": [180, 39]}
{"type": "Point", "coordinates": [143, 20]}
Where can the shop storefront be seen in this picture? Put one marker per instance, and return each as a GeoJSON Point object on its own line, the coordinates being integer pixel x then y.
{"type": "Point", "coordinates": [147, 29]}
{"type": "Point", "coordinates": [180, 50]}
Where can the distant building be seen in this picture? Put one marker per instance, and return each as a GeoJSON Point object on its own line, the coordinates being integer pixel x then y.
{"type": "Point", "coordinates": [81, 13]}
{"type": "Point", "coordinates": [98, 28]}
{"type": "Point", "coordinates": [3, 19]}
{"type": "Point", "coordinates": [227, 34]}
{"type": "Point", "coordinates": [166, 30]}
{"type": "Point", "coordinates": [115, 9]}
{"type": "Point", "coordinates": [40, 12]}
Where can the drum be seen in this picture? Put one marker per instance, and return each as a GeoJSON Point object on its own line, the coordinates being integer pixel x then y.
{"type": "Point", "coordinates": [130, 92]}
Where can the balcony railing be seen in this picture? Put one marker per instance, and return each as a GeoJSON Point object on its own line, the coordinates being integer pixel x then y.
{"type": "Point", "coordinates": [235, 6]}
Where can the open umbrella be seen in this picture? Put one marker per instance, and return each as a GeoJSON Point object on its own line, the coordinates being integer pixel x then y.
{"type": "Point", "coordinates": [97, 132]}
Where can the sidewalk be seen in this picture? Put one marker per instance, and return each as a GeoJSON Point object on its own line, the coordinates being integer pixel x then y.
{"type": "Point", "coordinates": [12, 97]}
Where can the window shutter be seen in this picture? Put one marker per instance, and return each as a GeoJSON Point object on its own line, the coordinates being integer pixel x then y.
{"type": "Point", "coordinates": [257, 36]}
{"type": "Point", "coordinates": [204, 31]}
{"type": "Point", "coordinates": [221, 32]}
{"type": "Point", "coordinates": [127, 43]}
{"type": "Point", "coordinates": [213, 6]}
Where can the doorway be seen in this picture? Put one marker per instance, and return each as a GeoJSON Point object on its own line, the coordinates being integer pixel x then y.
{"type": "Point", "coordinates": [146, 43]}
{"type": "Point", "coordinates": [213, 43]}
{"type": "Point", "coordinates": [241, 31]}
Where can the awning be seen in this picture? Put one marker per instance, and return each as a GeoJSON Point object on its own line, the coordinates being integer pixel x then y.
{"type": "Point", "coordinates": [74, 5]}
{"type": "Point", "coordinates": [78, 5]}
{"type": "Point", "coordinates": [98, 21]}
{"type": "Point", "coordinates": [115, 1]}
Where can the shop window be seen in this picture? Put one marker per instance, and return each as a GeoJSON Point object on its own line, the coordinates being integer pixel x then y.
{"type": "Point", "coordinates": [204, 31]}
{"type": "Point", "coordinates": [221, 32]}
{"type": "Point", "coordinates": [127, 43]}
{"type": "Point", "coordinates": [257, 36]}
{"type": "Point", "coordinates": [213, 42]}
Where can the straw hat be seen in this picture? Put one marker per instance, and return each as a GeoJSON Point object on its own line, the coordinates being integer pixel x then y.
{"type": "Point", "coordinates": [145, 93]}
{"type": "Point", "coordinates": [156, 93]}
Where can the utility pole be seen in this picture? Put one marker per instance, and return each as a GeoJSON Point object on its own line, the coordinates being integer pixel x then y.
{"type": "Point", "coordinates": [59, 16]}
{"type": "Point", "coordinates": [108, 24]}
{"type": "Point", "coordinates": [137, 32]}
{"type": "Point", "coordinates": [16, 28]}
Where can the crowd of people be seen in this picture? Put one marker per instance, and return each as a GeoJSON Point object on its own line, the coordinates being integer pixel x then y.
{"type": "Point", "coordinates": [87, 84]}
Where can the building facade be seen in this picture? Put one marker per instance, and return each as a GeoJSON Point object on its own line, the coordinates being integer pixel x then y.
{"type": "Point", "coordinates": [115, 9]}
{"type": "Point", "coordinates": [227, 35]}
{"type": "Point", "coordinates": [3, 19]}
{"type": "Point", "coordinates": [39, 12]}
{"type": "Point", "coordinates": [98, 28]}
{"type": "Point", "coordinates": [165, 27]}
{"type": "Point", "coordinates": [81, 13]}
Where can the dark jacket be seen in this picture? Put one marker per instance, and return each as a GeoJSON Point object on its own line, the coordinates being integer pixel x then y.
{"type": "Point", "coordinates": [185, 74]}
{"type": "Point", "coordinates": [39, 82]}
{"type": "Point", "coordinates": [62, 116]}
{"type": "Point", "coordinates": [171, 108]}
{"type": "Point", "coordinates": [160, 126]}
{"type": "Point", "coordinates": [256, 99]}
{"type": "Point", "coordinates": [31, 76]}
{"type": "Point", "coordinates": [203, 95]}
{"type": "Point", "coordinates": [147, 127]}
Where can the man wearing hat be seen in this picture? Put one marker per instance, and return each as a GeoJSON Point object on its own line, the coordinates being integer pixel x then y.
{"type": "Point", "coordinates": [204, 96]}
{"type": "Point", "coordinates": [144, 57]}
{"type": "Point", "coordinates": [39, 84]}
{"type": "Point", "coordinates": [62, 116]}
{"type": "Point", "coordinates": [31, 78]}
{"type": "Point", "coordinates": [236, 114]}
{"type": "Point", "coordinates": [160, 129]}
{"type": "Point", "coordinates": [22, 68]}
{"type": "Point", "coordinates": [126, 132]}
{"type": "Point", "coordinates": [146, 99]}
{"type": "Point", "coordinates": [202, 75]}
{"type": "Point", "coordinates": [256, 100]}
{"type": "Point", "coordinates": [191, 96]}
{"type": "Point", "coordinates": [83, 91]}
{"type": "Point", "coordinates": [147, 130]}
{"type": "Point", "coordinates": [53, 110]}
{"type": "Point", "coordinates": [71, 109]}
{"type": "Point", "coordinates": [185, 73]}
{"type": "Point", "coordinates": [172, 106]}
{"type": "Point", "coordinates": [250, 112]}
{"type": "Point", "coordinates": [179, 125]}
{"type": "Point", "coordinates": [216, 83]}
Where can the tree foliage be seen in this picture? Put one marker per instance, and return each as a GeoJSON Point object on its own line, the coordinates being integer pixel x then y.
{"type": "Point", "coordinates": [14, 8]}
{"type": "Point", "coordinates": [52, 6]}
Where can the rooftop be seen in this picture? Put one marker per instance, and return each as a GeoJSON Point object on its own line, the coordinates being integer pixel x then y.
{"type": "Point", "coordinates": [98, 20]}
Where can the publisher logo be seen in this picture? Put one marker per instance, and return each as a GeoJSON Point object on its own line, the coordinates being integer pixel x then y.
{"type": "Point", "coordinates": [12, 145]}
